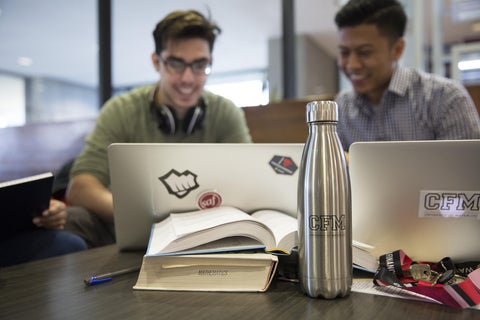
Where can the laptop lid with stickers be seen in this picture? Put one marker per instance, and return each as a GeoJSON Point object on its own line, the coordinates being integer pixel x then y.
{"type": "Point", "coordinates": [419, 196]}
{"type": "Point", "coordinates": [151, 180]}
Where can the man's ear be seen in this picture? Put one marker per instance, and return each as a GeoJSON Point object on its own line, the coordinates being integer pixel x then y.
{"type": "Point", "coordinates": [155, 61]}
{"type": "Point", "coordinates": [398, 48]}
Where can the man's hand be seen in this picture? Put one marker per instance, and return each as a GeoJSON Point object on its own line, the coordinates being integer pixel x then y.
{"type": "Point", "coordinates": [54, 217]}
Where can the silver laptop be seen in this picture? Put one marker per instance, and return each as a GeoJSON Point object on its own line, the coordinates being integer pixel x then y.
{"type": "Point", "coordinates": [418, 196]}
{"type": "Point", "coordinates": [149, 181]}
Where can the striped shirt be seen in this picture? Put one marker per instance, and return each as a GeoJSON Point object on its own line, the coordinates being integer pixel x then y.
{"type": "Point", "coordinates": [416, 106]}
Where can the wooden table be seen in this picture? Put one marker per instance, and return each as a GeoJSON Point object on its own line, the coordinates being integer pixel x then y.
{"type": "Point", "coordinates": [54, 289]}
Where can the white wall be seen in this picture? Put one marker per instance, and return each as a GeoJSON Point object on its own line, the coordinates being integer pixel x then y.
{"type": "Point", "coordinates": [316, 71]}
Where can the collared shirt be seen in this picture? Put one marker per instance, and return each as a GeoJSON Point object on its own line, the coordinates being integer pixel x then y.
{"type": "Point", "coordinates": [416, 106]}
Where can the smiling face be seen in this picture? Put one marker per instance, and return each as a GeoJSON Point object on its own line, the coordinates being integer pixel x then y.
{"type": "Point", "coordinates": [181, 89]}
{"type": "Point", "coordinates": [368, 59]}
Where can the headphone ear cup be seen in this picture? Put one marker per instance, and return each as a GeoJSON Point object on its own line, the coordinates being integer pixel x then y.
{"type": "Point", "coordinates": [167, 121]}
{"type": "Point", "coordinates": [194, 119]}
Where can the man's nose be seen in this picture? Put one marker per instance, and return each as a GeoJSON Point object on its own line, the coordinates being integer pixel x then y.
{"type": "Point", "coordinates": [188, 74]}
{"type": "Point", "coordinates": [353, 61]}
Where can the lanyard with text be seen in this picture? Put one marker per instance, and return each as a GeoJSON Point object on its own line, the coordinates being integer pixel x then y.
{"type": "Point", "coordinates": [456, 285]}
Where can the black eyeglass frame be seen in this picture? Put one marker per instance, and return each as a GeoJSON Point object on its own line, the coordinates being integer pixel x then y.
{"type": "Point", "coordinates": [201, 66]}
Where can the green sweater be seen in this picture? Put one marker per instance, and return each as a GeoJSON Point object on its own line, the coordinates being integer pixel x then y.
{"type": "Point", "coordinates": [128, 118]}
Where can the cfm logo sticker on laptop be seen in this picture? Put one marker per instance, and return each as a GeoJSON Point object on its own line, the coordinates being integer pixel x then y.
{"type": "Point", "coordinates": [179, 184]}
{"type": "Point", "coordinates": [283, 165]}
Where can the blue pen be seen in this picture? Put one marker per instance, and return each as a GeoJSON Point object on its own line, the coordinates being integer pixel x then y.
{"type": "Point", "coordinates": [93, 280]}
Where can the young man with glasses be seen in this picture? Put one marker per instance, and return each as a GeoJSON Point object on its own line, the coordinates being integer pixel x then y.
{"type": "Point", "coordinates": [175, 109]}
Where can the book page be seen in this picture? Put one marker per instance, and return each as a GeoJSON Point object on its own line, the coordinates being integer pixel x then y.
{"type": "Point", "coordinates": [362, 257]}
{"type": "Point", "coordinates": [191, 222]}
{"type": "Point", "coordinates": [283, 227]}
{"type": "Point", "coordinates": [161, 235]}
{"type": "Point", "coordinates": [362, 245]}
{"type": "Point", "coordinates": [233, 244]}
{"type": "Point", "coordinates": [183, 231]}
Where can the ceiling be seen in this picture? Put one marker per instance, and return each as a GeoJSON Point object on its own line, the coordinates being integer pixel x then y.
{"type": "Point", "coordinates": [60, 36]}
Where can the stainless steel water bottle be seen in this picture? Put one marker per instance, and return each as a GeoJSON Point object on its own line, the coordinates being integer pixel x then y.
{"type": "Point", "coordinates": [324, 208]}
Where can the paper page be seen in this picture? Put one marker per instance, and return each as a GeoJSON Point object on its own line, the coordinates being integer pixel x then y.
{"type": "Point", "coordinates": [191, 222]}
{"type": "Point", "coordinates": [362, 245]}
{"type": "Point", "coordinates": [364, 259]}
{"type": "Point", "coordinates": [184, 231]}
{"type": "Point", "coordinates": [367, 286]}
{"type": "Point", "coordinates": [160, 236]}
{"type": "Point", "coordinates": [279, 223]}
{"type": "Point", "coordinates": [228, 244]}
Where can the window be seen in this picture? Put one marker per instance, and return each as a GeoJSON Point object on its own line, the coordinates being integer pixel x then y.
{"type": "Point", "coordinates": [245, 89]}
{"type": "Point", "coordinates": [12, 101]}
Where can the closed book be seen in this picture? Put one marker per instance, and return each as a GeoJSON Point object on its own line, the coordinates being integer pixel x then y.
{"type": "Point", "coordinates": [229, 272]}
{"type": "Point", "coordinates": [21, 200]}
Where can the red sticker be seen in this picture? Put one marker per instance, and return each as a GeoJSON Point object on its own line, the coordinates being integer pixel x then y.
{"type": "Point", "coordinates": [287, 162]}
{"type": "Point", "coordinates": [209, 199]}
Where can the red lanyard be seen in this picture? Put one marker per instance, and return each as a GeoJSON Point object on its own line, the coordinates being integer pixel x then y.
{"type": "Point", "coordinates": [456, 285]}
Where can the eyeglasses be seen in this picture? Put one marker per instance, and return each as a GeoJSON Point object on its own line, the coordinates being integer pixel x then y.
{"type": "Point", "coordinates": [199, 67]}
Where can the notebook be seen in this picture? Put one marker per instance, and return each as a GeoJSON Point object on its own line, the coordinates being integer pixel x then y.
{"type": "Point", "coordinates": [21, 200]}
{"type": "Point", "coordinates": [150, 181]}
{"type": "Point", "coordinates": [418, 196]}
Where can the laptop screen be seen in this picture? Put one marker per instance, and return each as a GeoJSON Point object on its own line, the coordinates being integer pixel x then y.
{"type": "Point", "coordinates": [149, 181]}
{"type": "Point", "coordinates": [418, 196]}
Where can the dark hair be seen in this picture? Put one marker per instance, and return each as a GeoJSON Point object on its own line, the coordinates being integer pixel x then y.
{"type": "Point", "coordinates": [387, 15]}
{"type": "Point", "coordinates": [184, 25]}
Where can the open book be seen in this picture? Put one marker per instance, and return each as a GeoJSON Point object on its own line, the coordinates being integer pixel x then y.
{"type": "Point", "coordinates": [226, 229]}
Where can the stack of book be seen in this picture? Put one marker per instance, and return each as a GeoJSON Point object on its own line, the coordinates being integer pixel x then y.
{"type": "Point", "coordinates": [222, 249]}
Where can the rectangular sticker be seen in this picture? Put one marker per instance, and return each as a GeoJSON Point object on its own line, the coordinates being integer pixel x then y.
{"type": "Point", "coordinates": [449, 204]}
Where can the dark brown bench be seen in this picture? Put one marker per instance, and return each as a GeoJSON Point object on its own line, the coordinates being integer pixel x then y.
{"type": "Point", "coordinates": [37, 148]}
{"type": "Point", "coordinates": [280, 122]}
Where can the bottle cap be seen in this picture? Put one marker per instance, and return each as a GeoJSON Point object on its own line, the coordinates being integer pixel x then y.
{"type": "Point", "coordinates": [322, 111]}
